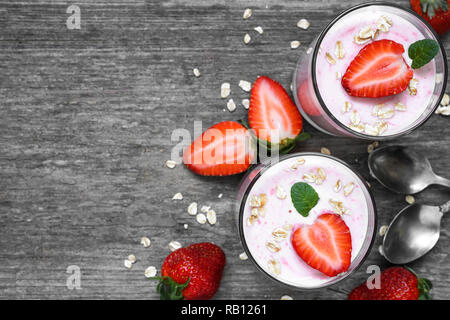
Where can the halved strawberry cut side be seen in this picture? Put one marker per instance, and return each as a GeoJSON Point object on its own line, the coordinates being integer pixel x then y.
{"type": "Point", "coordinates": [224, 149]}
{"type": "Point", "coordinates": [326, 245]}
{"type": "Point", "coordinates": [378, 70]}
{"type": "Point", "coordinates": [272, 114]}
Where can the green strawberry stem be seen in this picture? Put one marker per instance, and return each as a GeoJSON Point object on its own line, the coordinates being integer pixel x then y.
{"type": "Point", "coordinates": [424, 285]}
{"type": "Point", "coordinates": [169, 289]}
{"type": "Point", "coordinates": [430, 7]}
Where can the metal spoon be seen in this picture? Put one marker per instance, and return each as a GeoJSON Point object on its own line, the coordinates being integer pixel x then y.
{"type": "Point", "coordinates": [403, 170]}
{"type": "Point", "coordinates": [413, 232]}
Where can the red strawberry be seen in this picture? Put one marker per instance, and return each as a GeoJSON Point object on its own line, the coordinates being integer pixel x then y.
{"type": "Point", "coordinates": [224, 149]}
{"type": "Point", "coordinates": [378, 70]}
{"type": "Point", "coordinates": [435, 12]}
{"type": "Point", "coordinates": [192, 273]}
{"type": "Point", "coordinates": [326, 245]}
{"type": "Point", "coordinates": [271, 108]}
{"type": "Point", "coordinates": [396, 283]}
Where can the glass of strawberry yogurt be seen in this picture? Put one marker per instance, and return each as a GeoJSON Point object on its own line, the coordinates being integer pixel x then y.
{"type": "Point", "coordinates": [274, 224]}
{"type": "Point", "coordinates": [380, 105]}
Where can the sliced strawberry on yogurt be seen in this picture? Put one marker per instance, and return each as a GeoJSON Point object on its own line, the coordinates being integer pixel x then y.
{"type": "Point", "coordinates": [326, 245]}
{"type": "Point", "coordinates": [378, 70]}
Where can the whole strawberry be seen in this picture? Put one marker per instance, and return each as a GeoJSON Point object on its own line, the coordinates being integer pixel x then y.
{"type": "Point", "coordinates": [435, 12]}
{"type": "Point", "coordinates": [192, 273]}
{"type": "Point", "coordinates": [396, 283]}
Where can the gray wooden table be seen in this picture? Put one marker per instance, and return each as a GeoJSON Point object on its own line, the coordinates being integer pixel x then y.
{"type": "Point", "coordinates": [86, 118]}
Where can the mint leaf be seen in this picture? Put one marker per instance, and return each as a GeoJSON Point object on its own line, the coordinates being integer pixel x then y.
{"type": "Point", "coordinates": [304, 197]}
{"type": "Point", "coordinates": [423, 51]}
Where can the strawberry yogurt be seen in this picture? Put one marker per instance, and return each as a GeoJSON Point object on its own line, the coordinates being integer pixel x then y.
{"type": "Point", "coordinates": [268, 215]}
{"type": "Point", "coordinates": [330, 108]}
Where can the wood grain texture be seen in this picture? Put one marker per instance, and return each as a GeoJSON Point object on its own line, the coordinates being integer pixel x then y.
{"type": "Point", "coordinates": [86, 118]}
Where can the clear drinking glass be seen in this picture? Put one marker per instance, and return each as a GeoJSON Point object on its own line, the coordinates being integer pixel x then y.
{"type": "Point", "coordinates": [258, 171]}
{"type": "Point", "coordinates": [311, 103]}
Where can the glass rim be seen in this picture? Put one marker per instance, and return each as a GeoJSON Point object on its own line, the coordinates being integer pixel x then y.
{"type": "Point", "coordinates": [314, 80]}
{"type": "Point", "coordinates": [362, 255]}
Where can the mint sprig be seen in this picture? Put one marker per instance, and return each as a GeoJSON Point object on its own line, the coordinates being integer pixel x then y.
{"type": "Point", "coordinates": [423, 51]}
{"type": "Point", "coordinates": [304, 197]}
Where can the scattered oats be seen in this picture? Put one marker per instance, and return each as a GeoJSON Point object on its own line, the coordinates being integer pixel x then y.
{"type": "Point", "coordinates": [338, 75]}
{"type": "Point", "coordinates": [231, 105]}
{"type": "Point", "coordinates": [376, 109]}
{"type": "Point", "coordinates": [274, 267]}
{"type": "Point", "coordinates": [338, 206]}
{"type": "Point", "coordinates": [439, 77]}
{"type": "Point", "coordinates": [245, 85]}
{"type": "Point", "coordinates": [384, 23]}
{"type": "Point", "coordinates": [412, 86]}
{"type": "Point", "coordinates": [246, 103]}
{"type": "Point", "coordinates": [385, 113]}
{"type": "Point", "coordinates": [272, 246]}
{"type": "Point", "coordinates": [243, 256]}
{"type": "Point", "coordinates": [132, 258]}
{"type": "Point", "coordinates": [287, 226]}
{"type": "Point", "coordinates": [303, 24]}
{"type": "Point", "coordinates": [325, 151]}
{"type": "Point", "coordinates": [201, 218]}
{"type": "Point", "coordinates": [196, 72]}
{"type": "Point", "coordinates": [371, 130]}
{"type": "Point", "coordinates": [294, 166]}
{"type": "Point", "coordinates": [370, 148]}
{"type": "Point", "coordinates": [255, 201]}
{"type": "Point", "coordinates": [381, 126]}
{"type": "Point", "coordinates": [359, 128]}
{"type": "Point", "coordinates": [185, 226]}
{"type": "Point", "coordinates": [247, 13]}
{"type": "Point", "coordinates": [247, 38]}
{"type": "Point", "coordinates": [259, 30]}
{"type": "Point", "coordinates": [192, 209]}
{"type": "Point", "coordinates": [211, 217]}
{"type": "Point", "coordinates": [338, 185]}
{"type": "Point", "coordinates": [279, 234]}
{"type": "Point", "coordinates": [220, 196]}
{"type": "Point", "coordinates": [445, 100]}
{"type": "Point", "coordinates": [177, 196]}
{"type": "Point", "coordinates": [339, 51]}
{"type": "Point", "coordinates": [376, 144]}
{"type": "Point", "coordinates": [348, 188]}
{"type": "Point", "coordinates": [253, 216]}
{"type": "Point", "coordinates": [380, 250]}
{"type": "Point", "coordinates": [444, 111]}
{"type": "Point", "coordinates": [205, 209]}
{"type": "Point", "coordinates": [262, 212]}
{"type": "Point", "coordinates": [286, 298]}
{"type": "Point", "coordinates": [225, 90]}
{"type": "Point", "coordinates": [410, 199]}
{"type": "Point", "coordinates": [295, 44]}
{"type": "Point", "coordinates": [170, 164]}
{"type": "Point", "coordinates": [309, 177]}
{"type": "Point", "coordinates": [400, 106]}
{"type": "Point", "coordinates": [383, 230]}
{"type": "Point", "coordinates": [281, 194]}
{"type": "Point", "coordinates": [321, 174]}
{"type": "Point", "coordinates": [330, 58]}
{"type": "Point", "coordinates": [150, 272]}
{"type": "Point", "coordinates": [174, 245]}
{"type": "Point", "coordinates": [354, 118]}
{"type": "Point", "coordinates": [146, 242]}
{"type": "Point", "coordinates": [263, 199]}
{"type": "Point", "coordinates": [309, 50]}
{"type": "Point", "coordinates": [301, 161]}
{"type": "Point", "coordinates": [128, 264]}
{"type": "Point", "coordinates": [366, 33]}
{"type": "Point", "coordinates": [346, 107]}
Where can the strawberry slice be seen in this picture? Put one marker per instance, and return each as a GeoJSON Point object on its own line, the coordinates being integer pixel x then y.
{"type": "Point", "coordinates": [224, 149]}
{"type": "Point", "coordinates": [378, 70]}
{"type": "Point", "coordinates": [271, 108]}
{"type": "Point", "coordinates": [326, 245]}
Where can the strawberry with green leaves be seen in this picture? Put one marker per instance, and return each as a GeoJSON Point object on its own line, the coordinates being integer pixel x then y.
{"type": "Point", "coordinates": [192, 273]}
{"type": "Point", "coordinates": [396, 283]}
{"type": "Point", "coordinates": [435, 12]}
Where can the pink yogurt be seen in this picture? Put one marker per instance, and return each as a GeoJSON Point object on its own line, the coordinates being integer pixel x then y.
{"type": "Point", "coordinates": [329, 84]}
{"type": "Point", "coordinates": [281, 213]}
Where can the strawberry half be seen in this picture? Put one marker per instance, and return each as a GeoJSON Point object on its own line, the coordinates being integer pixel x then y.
{"type": "Point", "coordinates": [224, 149]}
{"type": "Point", "coordinates": [326, 245]}
{"type": "Point", "coordinates": [271, 108]}
{"type": "Point", "coordinates": [378, 70]}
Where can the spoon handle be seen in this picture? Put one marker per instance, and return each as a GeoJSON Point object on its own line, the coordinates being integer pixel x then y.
{"type": "Point", "coordinates": [442, 181]}
{"type": "Point", "coordinates": [445, 207]}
